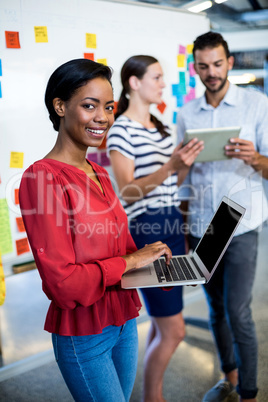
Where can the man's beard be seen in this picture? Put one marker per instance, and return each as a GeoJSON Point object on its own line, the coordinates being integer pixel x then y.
{"type": "Point", "coordinates": [216, 89]}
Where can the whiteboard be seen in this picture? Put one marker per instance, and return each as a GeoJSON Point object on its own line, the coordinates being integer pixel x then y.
{"type": "Point", "coordinates": [122, 29]}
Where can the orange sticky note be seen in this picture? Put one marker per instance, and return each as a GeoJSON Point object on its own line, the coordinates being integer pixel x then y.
{"type": "Point", "coordinates": [22, 246]}
{"type": "Point", "coordinates": [20, 224]}
{"type": "Point", "coordinates": [89, 56]}
{"type": "Point", "coordinates": [161, 107]}
{"type": "Point", "coordinates": [12, 40]}
{"type": "Point", "coordinates": [103, 144]}
{"type": "Point", "coordinates": [16, 196]}
{"type": "Point", "coordinates": [115, 107]}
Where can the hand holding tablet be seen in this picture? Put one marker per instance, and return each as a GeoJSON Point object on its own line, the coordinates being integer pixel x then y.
{"type": "Point", "coordinates": [215, 140]}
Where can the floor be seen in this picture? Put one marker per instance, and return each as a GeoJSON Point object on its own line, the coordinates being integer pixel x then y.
{"type": "Point", "coordinates": [29, 373]}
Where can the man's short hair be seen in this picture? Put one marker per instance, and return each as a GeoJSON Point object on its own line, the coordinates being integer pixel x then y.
{"type": "Point", "coordinates": [210, 40]}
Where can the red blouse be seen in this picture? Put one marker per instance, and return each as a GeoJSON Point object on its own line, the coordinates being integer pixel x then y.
{"type": "Point", "coordinates": [78, 235]}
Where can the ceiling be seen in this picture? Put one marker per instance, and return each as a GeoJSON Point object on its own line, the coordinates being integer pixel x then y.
{"type": "Point", "coordinates": [230, 16]}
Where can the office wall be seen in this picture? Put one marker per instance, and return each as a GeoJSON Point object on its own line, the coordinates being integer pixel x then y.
{"type": "Point", "coordinates": [36, 37]}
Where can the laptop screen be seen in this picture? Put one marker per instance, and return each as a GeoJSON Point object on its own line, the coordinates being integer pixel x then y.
{"type": "Point", "coordinates": [217, 235]}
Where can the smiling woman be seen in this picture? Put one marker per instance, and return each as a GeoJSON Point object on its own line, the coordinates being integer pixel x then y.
{"type": "Point", "coordinates": [79, 236]}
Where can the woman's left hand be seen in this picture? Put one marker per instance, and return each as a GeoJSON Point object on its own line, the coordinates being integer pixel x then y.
{"type": "Point", "coordinates": [184, 156]}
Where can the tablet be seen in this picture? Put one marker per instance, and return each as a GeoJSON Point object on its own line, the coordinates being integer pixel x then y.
{"type": "Point", "coordinates": [214, 139]}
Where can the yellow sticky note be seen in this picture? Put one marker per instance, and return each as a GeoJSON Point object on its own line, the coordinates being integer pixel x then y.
{"type": "Point", "coordinates": [102, 61]}
{"type": "Point", "coordinates": [91, 40]}
{"type": "Point", "coordinates": [40, 34]}
{"type": "Point", "coordinates": [2, 283]}
{"type": "Point", "coordinates": [5, 231]}
{"type": "Point", "coordinates": [189, 49]}
{"type": "Point", "coordinates": [16, 159]}
{"type": "Point", "coordinates": [180, 60]}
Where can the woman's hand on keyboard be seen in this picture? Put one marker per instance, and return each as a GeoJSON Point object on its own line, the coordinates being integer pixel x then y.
{"type": "Point", "coordinates": [147, 254]}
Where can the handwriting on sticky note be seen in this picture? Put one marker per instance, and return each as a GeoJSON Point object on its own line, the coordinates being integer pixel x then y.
{"type": "Point", "coordinates": [22, 246]}
{"type": "Point", "coordinates": [16, 159]}
{"type": "Point", "coordinates": [40, 34]}
{"type": "Point", "coordinates": [20, 224]}
{"type": "Point", "coordinates": [91, 40]}
{"type": "Point", "coordinates": [5, 231]}
{"type": "Point", "coordinates": [12, 40]}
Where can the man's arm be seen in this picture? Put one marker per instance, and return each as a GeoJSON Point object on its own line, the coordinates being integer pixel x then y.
{"type": "Point", "coordinates": [243, 149]}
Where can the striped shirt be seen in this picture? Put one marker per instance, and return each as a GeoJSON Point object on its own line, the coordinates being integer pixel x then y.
{"type": "Point", "coordinates": [150, 151]}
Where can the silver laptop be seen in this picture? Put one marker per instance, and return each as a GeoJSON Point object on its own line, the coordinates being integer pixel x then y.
{"type": "Point", "coordinates": [195, 268]}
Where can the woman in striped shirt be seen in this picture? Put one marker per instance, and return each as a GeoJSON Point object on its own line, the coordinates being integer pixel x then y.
{"type": "Point", "coordinates": [148, 168]}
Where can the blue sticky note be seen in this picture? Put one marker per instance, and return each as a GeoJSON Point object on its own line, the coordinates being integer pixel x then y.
{"type": "Point", "coordinates": [180, 101]}
{"type": "Point", "coordinates": [0, 67]}
{"type": "Point", "coordinates": [175, 89]}
{"type": "Point", "coordinates": [0, 90]}
{"type": "Point", "coordinates": [192, 82]}
{"type": "Point", "coordinates": [174, 120]}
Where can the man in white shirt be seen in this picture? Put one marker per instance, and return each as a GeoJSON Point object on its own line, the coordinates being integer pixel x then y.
{"type": "Point", "coordinates": [241, 178]}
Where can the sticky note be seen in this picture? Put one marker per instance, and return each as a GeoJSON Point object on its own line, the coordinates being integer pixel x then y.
{"type": "Point", "coordinates": [12, 40]}
{"type": "Point", "coordinates": [180, 101]}
{"type": "Point", "coordinates": [115, 107]}
{"type": "Point", "coordinates": [190, 95]}
{"type": "Point", "coordinates": [182, 49]}
{"type": "Point", "coordinates": [182, 88]}
{"type": "Point", "coordinates": [2, 283]}
{"type": "Point", "coordinates": [189, 48]}
{"type": "Point", "coordinates": [16, 196]}
{"type": "Point", "coordinates": [174, 119]}
{"type": "Point", "coordinates": [182, 79]}
{"type": "Point", "coordinates": [5, 231]}
{"type": "Point", "coordinates": [16, 159]}
{"type": "Point", "coordinates": [190, 59]}
{"type": "Point", "coordinates": [161, 107]}
{"type": "Point", "coordinates": [91, 40]}
{"type": "Point", "coordinates": [192, 71]}
{"type": "Point", "coordinates": [175, 89]}
{"type": "Point", "coordinates": [22, 246]}
{"type": "Point", "coordinates": [180, 60]}
{"type": "Point", "coordinates": [40, 34]}
{"type": "Point", "coordinates": [103, 144]}
{"type": "Point", "coordinates": [192, 82]}
{"type": "Point", "coordinates": [104, 160]}
{"type": "Point", "coordinates": [20, 224]}
{"type": "Point", "coordinates": [0, 67]}
{"type": "Point", "coordinates": [102, 61]}
{"type": "Point", "coordinates": [89, 56]}
{"type": "Point", "coordinates": [93, 156]}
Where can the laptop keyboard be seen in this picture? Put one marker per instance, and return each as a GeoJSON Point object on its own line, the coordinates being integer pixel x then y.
{"type": "Point", "coordinates": [179, 269]}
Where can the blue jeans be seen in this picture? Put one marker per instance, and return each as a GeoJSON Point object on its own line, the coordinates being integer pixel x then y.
{"type": "Point", "coordinates": [102, 367]}
{"type": "Point", "coordinates": [229, 295]}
